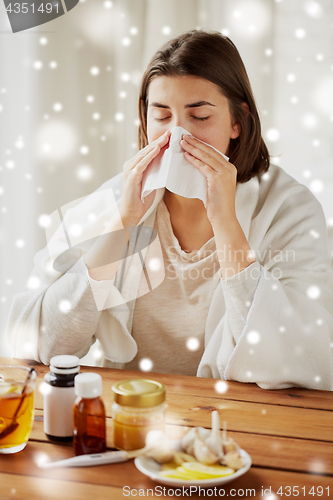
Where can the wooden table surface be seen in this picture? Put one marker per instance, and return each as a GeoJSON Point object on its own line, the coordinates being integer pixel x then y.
{"type": "Point", "coordinates": [288, 433]}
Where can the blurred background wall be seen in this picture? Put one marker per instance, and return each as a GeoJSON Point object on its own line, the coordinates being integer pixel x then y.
{"type": "Point", "coordinates": [68, 103]}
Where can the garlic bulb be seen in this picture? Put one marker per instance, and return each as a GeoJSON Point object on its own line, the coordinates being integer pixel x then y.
{"type": "Point", "coordinates": [157, 447]}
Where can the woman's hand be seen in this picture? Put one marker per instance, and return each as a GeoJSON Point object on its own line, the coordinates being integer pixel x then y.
{"type": "Point", "coordinates": [221, 177]}
{"type": "Point", "coordinates": [132, 209]}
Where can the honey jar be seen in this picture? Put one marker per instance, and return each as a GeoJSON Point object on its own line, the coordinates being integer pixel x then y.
{"type": "Point", "coordinates": [137, 409]}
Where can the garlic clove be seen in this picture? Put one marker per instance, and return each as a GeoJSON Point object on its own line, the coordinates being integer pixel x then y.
{"type": "Point", "coordinates": [214, 441]}
{"type": "Point", "coordinates": [229, 445]}
{"type": "Point", "coordinates": [188, 439]}
{"type": "Point", "coordinates": [233, 459]}
{"type": "Point", "coordinates": [203, 453]}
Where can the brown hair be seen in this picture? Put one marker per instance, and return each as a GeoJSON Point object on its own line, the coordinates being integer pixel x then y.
{"type": "Point", "coordinates": [214, 57]}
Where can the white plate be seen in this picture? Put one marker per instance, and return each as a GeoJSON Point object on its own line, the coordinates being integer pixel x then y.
{"type": "Point", "coordinates": [151, 468]}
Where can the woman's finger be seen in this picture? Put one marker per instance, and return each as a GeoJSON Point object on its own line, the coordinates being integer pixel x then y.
{"type": "Point", "coordinates": [201, 156]}
{"type": "Point", "coordinates": [161, 141]}
{"type": "Point", "coordinates": [146, 160]}
{"type": "Point", "coordinates": [204, 152]}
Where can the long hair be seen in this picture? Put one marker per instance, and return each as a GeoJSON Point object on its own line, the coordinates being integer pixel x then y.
{"type": "Point", "coordinates": [214, 57]}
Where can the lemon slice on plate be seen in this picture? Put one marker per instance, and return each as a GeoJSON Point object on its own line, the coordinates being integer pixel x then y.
{"type": "Point", "coordinates": [201, 471]}
{"type": "Point", "coordinates": [194, 470]}
{"type": "Point", "coordinates": [176, 474]}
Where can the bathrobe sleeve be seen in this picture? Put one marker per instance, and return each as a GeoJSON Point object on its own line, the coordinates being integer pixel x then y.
{"type": "Point", "coordinates": [64, 313]}
{"type": "Point", "coordinates": [277, 317]}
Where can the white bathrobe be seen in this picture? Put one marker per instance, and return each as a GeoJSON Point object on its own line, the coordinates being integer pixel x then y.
{"type": "Point", "coordinates": [282, 338]}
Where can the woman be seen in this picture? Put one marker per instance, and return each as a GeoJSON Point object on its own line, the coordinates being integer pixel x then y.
{"type": "Point", "coordinates": [256, 310]}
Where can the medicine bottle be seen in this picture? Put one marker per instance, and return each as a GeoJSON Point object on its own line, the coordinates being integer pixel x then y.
{"type": "Point", "coordinates": [59, 397]}
{"type": "Point", "coordinates": [137, 409]}
{"type": "Point", "coordinates": [89, 415]}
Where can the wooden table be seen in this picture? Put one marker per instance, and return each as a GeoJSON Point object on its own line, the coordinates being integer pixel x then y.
{"type": "Point", "coordinates": [288, 433]}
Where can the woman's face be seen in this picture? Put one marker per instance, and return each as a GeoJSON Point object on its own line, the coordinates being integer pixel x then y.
{"type": "Point", "coordinates": [193, 103]}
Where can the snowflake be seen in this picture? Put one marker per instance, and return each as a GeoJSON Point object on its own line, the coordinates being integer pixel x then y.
{"type": "Point", "coordinates": [57, 106]}
{"type": "Point", "coordinates": [221, 387]}
{"type": "Point", "coordinates": [75, 230]}
{"type": "Point", "coordinates": [314, 234]}
{"type": "Point", "coordinates": [84, 150]}
{"type": "Point", "coordinates": [166, 30]}
{"type": "Point", "coordinates": [146, 365]}
{"type": "Point", "coordinates": [20, 243]}
{"type": "Point", "coordinates": [19, 144]}
{"type": "Point", "coordinates": [37, 65]}
{"type": "Point", "coordinates": [119, 117]}
{"type": "Point", "coordinates": [313, 9]}
{"type": "Point", "coordinates": [253, 337]}
{"type": "Point", "coordinates": [33, 282]}
{"type": "Point", "coordinates": [84, 172]}
{"type": "Point", "coordinates": [154, 264]}
{"type": "Point", "coordinates": [291, 78]}
{"type": "Point", "coordinates": [273, 135]}
{"type": "Point", "coordinates": [192, 344]}
{"type": "Point", "coordinates": [125, 77]}
{"type": "Point", "coordinates": [126, 41]}
{"type": "Point", "coordinates": [97, 354]}
{"type": "Point", "coordinates": [309, 121]}
{"type": "Point", "coordinates": [225, 31]}
{"type": "Point", "coordinates": [316, 186]}
{"type": "Point", "coordinates": [65, 306]}
{"type": "Point", "coordinates": [300, 33]}
{"type": "Point", "coordinates": [10, 164]}
{"type": "Point", "coordinates": [94, 71]}
{"type": "Point", "coordinates": [53, 64]}
{"type": "Point", "coordinates": [44, 220]}
{"type": "Point", "coordinates": [313, 292]}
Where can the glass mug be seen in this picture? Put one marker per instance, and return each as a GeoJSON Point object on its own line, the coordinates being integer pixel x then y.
{"type": "Point", "coordinates": [16, 408]}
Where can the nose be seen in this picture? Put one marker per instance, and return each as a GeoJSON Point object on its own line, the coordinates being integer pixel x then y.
{"type": "Point", "coordinates": [178, 122]}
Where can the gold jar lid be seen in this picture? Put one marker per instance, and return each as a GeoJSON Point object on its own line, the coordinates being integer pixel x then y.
{"type": "Point", "coordinates": [138, 393]}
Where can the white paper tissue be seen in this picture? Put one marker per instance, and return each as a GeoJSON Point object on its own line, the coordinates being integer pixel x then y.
{"type": "Point", "coordinates": [171, 170]}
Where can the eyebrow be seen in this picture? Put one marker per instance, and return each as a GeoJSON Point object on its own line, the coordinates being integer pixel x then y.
{"type": "Point", "coordinates": [197, 104]}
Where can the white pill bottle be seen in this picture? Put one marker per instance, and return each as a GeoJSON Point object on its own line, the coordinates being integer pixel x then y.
{"type": "Point", "coordinates": [59, 397]}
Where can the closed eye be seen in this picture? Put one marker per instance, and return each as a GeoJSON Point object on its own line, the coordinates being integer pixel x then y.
{"type": "Point", "coordinates": [195, 117]}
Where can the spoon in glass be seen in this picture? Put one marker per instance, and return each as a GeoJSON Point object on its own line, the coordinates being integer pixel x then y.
{"type": "Point", "coordinates": [14, 424]}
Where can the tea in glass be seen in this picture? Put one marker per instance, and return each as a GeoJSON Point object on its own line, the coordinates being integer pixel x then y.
{"type": "Point", "coordinates": [16, 408]}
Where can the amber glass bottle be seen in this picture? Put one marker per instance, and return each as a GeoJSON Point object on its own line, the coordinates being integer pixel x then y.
{"type": "Point", "coordinates": [89, 415]}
